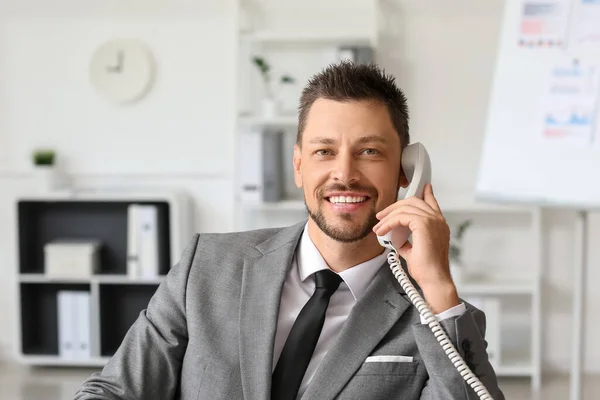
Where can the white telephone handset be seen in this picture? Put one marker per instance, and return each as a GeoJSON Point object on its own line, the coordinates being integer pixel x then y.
{"type": "Point", "coordinates": [417, 168]}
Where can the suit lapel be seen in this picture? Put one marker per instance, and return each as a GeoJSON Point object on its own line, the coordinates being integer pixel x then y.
{"type": "Point", "coordinates": [262, 283]}
{"type": "Point", "coordinates": [369, 321]}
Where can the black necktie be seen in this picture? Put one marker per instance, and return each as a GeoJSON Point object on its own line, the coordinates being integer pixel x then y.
{"type": "Point", "coordinates": [301, 342]}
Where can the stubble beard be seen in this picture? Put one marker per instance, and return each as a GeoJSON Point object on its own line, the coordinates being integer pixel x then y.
{"type": "Point", "coordinates": [348, 235]}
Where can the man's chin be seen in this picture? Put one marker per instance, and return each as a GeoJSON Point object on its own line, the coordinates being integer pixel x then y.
{"type": "Point", "coordinates": [345, 227]}
{"type": "Point", "coordinates": [346, 236]}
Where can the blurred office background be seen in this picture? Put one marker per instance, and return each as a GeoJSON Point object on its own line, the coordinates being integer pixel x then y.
{"type": "Point", "coordinates": [191, 143]}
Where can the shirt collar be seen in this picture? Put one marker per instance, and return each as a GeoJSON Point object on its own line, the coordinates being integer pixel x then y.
{"type": "Point", "coordinates": [357, 278]}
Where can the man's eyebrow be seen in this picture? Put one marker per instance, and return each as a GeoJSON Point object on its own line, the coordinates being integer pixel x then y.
{"type": "Point", "coordinates": [372, 139]}
{"type": "Point", "coordinates": [322, 140]}
{"type": "Point", "coordinates": [362, 140]}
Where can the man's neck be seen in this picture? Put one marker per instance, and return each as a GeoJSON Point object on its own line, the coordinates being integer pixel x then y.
{"type": "Point", "coordinates": [340, 256]}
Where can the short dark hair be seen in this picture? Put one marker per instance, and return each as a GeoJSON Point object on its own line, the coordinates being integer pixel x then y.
{"type": "Point", "coordinates": [348, 81]}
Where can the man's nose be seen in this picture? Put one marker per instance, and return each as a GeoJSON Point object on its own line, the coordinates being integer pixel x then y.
{"type": "Point", "coordinates": [345, 170]}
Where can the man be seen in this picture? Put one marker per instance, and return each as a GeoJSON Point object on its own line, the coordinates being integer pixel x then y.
{"type": "Point", "coordinates": [312, 310]}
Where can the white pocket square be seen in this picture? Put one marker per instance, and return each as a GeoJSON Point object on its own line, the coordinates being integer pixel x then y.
{"type": "Point", "coordinates": [389, 359]}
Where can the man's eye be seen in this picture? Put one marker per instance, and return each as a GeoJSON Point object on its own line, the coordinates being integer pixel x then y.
{"type": "Point", "coordinates": [370, 152]}
{"type": "Point", "coordinates": [323, 152]}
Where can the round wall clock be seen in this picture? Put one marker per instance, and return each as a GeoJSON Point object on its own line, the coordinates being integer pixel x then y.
{"type": "Point", "coordinates": [122, 70]}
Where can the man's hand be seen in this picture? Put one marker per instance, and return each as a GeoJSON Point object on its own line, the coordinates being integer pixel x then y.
{"type": "Point", "coordinates": [427, 256]}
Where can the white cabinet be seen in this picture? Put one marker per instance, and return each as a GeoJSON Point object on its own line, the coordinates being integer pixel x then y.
{"type": "Point", "coordinates": [97, 309]}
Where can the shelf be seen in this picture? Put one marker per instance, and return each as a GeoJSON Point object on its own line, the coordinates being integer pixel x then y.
{"type": "Point", "coordinates": [54, 361]}
{"type": "Point", "coordinates": [469, 205]}
{"type": "Point", "coordinates": [116, 300]}
{"type": "Point", "coordinates": [524, 369]}
{"type": "Point", "coordinates": [117, 279]}
{"type": "Point", "coordinates": [105, 195]}
{"type": "Point", "coordinates": [515, 364]}
{"type": "Point", "coordinates": [325, 38]}
{"type": "Point", "coordinates": [41, 278]}
{"type": "Point", "coordinates": [283, 121]}
{"type": "Point", "coordinates": [481, 208]}
{"type": "Point", "coordinates": [125, 280]}
{"type": "Point", "coordinates": [39, 316]}
{"type": "Point", "coordinates": [495, 287]}
{"type": "Point", "coordinates": [285, 205]}
{"type": "Point", "coordinates": [42, 221]}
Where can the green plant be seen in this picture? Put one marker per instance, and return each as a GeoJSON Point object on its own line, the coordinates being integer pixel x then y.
{"type": "Point", "coordinates": [456, 241]}
{"type": "Point", "coordinates": [265, 69]}
{"type": "Point", "coordinates": [44, 157]}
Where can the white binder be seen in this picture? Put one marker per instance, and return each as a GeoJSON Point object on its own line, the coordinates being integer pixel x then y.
{"type": "Point", "coordinates": [261, 166]}
{"type": "Point", "coordinates": [67, 313]}
{"type": "Point", "coordinates": [133, 264]}
{"type": "Point", "coordinates": [148, 241]}
{"type": "Point", "coordinates": [142, 241]}
{"type": "Point", "coordinates": [83, 340]}
{"type": "Point", "coordinates": [251, 176]}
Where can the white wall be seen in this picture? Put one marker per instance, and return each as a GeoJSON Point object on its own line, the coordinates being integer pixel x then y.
{"type": "Point", "coordinates": [180, 135]}
{"type": "Point", "coordinates": [442, 53]}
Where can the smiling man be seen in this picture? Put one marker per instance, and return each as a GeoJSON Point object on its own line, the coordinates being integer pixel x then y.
{"type": "Point", "coordinates": [313, 311]}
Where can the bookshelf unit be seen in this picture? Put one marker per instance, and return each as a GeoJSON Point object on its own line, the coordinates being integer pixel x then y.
{"type": "Point", "coordinates": [518, 290]}
{"type": "Point", "coordinates": [115, 299]}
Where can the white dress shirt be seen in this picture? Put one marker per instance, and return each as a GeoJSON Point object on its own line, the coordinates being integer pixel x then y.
{"type": "Point", "coordinates": [299, 287]}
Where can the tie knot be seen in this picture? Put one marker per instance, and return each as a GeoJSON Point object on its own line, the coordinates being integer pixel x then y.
{"type": "Point", "coordinates": [327, 279]}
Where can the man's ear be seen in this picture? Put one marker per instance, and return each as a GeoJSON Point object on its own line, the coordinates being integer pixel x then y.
{"type": "Point", "coordinates": [402, 180]}
{"type": "Point", "coordinates": [298, 166]}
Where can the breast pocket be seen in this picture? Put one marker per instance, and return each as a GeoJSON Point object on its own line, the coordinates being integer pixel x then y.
{"type": "Point", "coordinates": [386, 380]}
{"type": "Point", "coordinates": [388, 368]}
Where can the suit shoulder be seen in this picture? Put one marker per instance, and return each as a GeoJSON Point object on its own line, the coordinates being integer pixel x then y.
{"type": "Point", "coordinates": [245, 242]}
{"type": "Point", "coordinates": [249, 237]}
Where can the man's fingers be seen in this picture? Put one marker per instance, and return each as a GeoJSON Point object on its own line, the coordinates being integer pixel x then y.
{"type": "Point", "coordinates": [405, 249]}
{"type": "Point", "coordinates": [396, 220]}
{"type": "Point", "coordinates": [430, 198]}
{"type": "Point", "coordinates": [403, 209]}
{"type": "Point", "coordinates": [411, 201]}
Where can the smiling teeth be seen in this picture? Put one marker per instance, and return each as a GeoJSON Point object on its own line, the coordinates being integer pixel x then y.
{"type": "Point", "coordinates": [347, 199]}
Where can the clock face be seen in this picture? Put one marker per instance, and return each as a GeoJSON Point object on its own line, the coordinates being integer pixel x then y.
{"type": "Point", "coordinates": [122, 70]}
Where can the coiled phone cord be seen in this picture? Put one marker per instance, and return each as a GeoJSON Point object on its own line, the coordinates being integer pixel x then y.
{"type": "Point", "coordinates": [435, 326]}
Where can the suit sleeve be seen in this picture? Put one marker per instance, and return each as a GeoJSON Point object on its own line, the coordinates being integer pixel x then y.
{"type": "Point", "coordinates": [148, 362]}
{"type": "Point", "coordinates": [467, 333]}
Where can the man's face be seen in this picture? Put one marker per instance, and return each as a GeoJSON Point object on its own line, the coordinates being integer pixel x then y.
{"type": "Point", "coordinates": [348, 166]}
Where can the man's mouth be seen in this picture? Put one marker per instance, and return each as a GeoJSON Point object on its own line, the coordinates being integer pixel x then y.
{"type": "Point", "coordinates": [346, 199]}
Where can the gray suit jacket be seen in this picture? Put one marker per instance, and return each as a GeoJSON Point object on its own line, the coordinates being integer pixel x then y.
{"type": "Point", "coordinates": [208, 334]}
